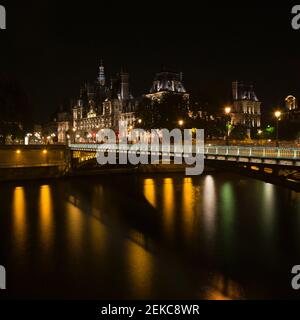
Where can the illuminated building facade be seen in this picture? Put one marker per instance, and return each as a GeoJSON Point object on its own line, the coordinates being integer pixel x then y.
{"type": "Point", "coordinates": [246, 106]}
{"type": "Point", "coordinates": [166, 82]}
{"type": "Point", "coordinates": [292, 110]}
{"type": "Point", "coordinates": [102, 106]}
{"type": "Point", "coordinates": [63, 126]}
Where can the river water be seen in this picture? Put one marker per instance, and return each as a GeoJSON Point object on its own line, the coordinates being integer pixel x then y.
{"type": "Point", "coordinates": [219, 236]}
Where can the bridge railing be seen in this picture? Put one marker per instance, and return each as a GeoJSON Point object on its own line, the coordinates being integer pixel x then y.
{"type": "Point", "coordinates": [260, 152]}
{"type": "Point", "coordinates": [236, 151]}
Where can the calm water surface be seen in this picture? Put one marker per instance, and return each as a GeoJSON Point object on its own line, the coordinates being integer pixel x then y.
{"type": "Point", "coordinates": [161, 236]}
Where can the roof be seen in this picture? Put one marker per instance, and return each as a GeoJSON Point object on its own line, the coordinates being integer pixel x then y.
{"type": "Point", "coordinates": [168, 81]}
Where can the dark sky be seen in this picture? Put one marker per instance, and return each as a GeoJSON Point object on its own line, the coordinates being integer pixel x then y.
{"type": "Point", "coordinates": [52, 47]}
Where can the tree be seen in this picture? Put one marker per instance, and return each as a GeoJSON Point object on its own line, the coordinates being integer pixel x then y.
{"type": "Point", "coordinates": [14, 113]}
{"type": "Point", "coordinates": [239, 132]}
{"type": "Point", "coordinates": [163, 113]}
{"type": "Point", "coordinates": [145, 113]}
{"type": "Point", "coordinates": [215, 128]}
{"type": "Point", "coordinates": [288, 129]}
{"type": "Point", "coordinates": [12, 129]}
{"type": "Point", "coordinates": [269, 132]}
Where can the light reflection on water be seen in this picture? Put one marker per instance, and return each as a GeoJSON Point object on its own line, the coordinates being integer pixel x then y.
{"type": "Point", "coordinates": [188, 207]}
{"type": "Point", "coordinates": [152, 237]}
{"type": "Point", "coordinates": [46, 216]}
{"type": "Point", "coordinates": [140, 266]}
{"type": "Point", "coordinates": [269, 204]}
{"type": "Point", "coordinates": [74, 228]}
{"type": "Point", "coordinates": [227, 212]}
{"type": "Point", "coordinates": [149, 191]}
{"type": "Point", "coordinates": [19, 214]}
{"type": "Point", "coordinates": [209, 206]}
{"type": "Point", "coordinates": [168, 207]}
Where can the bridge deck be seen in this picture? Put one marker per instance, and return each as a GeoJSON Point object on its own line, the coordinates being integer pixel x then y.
{"type": "Point", "coordinates": [270, 155]}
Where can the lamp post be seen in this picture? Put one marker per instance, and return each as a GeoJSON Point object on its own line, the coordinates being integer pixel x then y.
{"type": "Point", "coordinates": [73, 135]}
{"type": "Point", "coordinates": [180, 122]}
{"type": "Point", "coordinates": [259, 133]}
{"type": "Point", "coordinates": [277, 116]}
{"type": "Point", "coordinates": [227, 112]}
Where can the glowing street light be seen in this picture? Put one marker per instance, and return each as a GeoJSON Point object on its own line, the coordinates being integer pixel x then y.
{"type": "Point", "coordinates": [45, 151]}
{"type": "Point", "coordinates": [259, 133]}
{"type": "Point", "coordinates": [277, 115]}
{"type": "Point", "coordinates": [228, 124]}
{"type": "Point", "coordinates": [227, 110]}
{"type": "Point", "coordinates": [181, 122]}
{"type": "Point", "coordinates": [18, 151]}
{"type": "Point", "coordinates": [140, 121]}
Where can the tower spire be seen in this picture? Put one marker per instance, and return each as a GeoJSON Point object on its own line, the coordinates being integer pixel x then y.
{"type": "Point", "coordinates": [101, 77]}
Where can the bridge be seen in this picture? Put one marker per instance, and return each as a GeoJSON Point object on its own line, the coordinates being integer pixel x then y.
{"type": "Point", "coordinates": [27, 162]}
{"type": "Point", "coordinates": [22, 162]}
{"type": "Point", "coordinates": [262, 155]}
{"type": "Point", "coordinates": [270, 163]}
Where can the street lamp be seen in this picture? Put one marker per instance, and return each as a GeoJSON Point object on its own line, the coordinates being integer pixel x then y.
{"type": "Point", "coordinates": [277, 116]}
{"type": "Point", "coordinates": [259, 133]}
{"type": "Point", "coordinates": [227, 112]}
{"type": "Point", "coordinates": [180, 122]}
{"type": "Point", "coordinates": [140, 121]}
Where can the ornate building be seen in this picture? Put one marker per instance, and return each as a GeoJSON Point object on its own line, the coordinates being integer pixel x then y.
{"type": "Point", "coordinates": [101, 106]}
{"type": "Point", "coordinates": [63, 126]}
{"type": "Point", "coordinates": [292, 112]}
{"type": "Point", "coordinates": [246, 106]}
{"type": "Point", "coordinates": [166, 82]}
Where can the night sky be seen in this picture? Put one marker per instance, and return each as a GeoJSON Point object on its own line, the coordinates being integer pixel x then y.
{"type": "Point", "coordinates": [52, 48]}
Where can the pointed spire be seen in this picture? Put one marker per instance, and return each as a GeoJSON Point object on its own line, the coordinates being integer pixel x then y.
{"type": "Point", "coordinates": [101, 77]}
